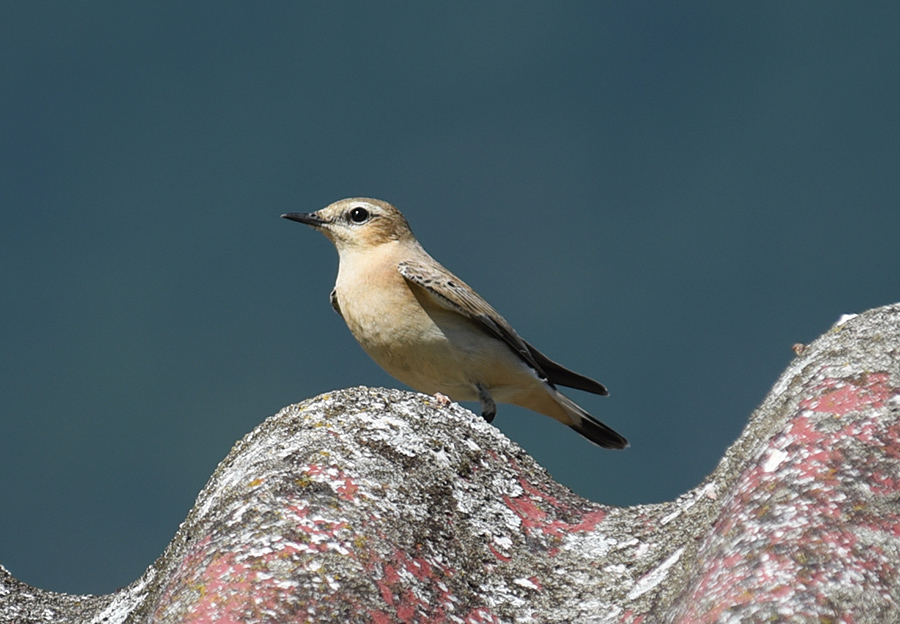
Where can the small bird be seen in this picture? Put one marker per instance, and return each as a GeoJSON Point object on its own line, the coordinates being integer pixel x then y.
{"type": "Point", "coordinates": [428, 329]}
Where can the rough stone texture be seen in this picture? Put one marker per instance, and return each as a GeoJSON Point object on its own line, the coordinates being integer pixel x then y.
{"type": "Point", "coordinates": [370, 505]}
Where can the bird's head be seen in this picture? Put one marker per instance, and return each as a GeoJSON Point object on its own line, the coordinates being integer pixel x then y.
{"type": "Point", "coordinates": [358, 222]}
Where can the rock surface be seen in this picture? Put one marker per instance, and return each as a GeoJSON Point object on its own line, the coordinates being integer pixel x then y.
{"type": "Point", "coordinates": [370, 505]}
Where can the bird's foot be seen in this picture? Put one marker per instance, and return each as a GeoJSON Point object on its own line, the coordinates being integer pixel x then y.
{"type": "Point", "coordinates": [442, 399]}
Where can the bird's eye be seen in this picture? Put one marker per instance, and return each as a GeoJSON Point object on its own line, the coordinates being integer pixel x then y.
{"type": "Point", "coordinates": [359, 214]}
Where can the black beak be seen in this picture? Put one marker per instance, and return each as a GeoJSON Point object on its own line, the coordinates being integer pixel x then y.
{"type": "Point", "coordinates": [308, 218]}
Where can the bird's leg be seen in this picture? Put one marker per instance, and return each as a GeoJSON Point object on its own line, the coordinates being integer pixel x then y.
{"type": "Point", "coordinates": [488, 407]}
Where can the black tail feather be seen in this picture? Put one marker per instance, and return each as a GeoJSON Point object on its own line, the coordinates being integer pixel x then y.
{"type": "Point", "coordinates": [559, 375]}
{"type": "Point", "coordinates": [600, 434]}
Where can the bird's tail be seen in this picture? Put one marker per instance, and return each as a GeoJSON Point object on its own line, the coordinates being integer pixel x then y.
{"type": "Point", "coordinates": [590, 427]}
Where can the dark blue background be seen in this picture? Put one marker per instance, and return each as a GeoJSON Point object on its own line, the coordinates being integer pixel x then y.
{"type": "Point", "coordinates": [662, 196]}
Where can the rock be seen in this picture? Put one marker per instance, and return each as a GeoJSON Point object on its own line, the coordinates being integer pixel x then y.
{"type": "Point", "coordinates": [373, 505]}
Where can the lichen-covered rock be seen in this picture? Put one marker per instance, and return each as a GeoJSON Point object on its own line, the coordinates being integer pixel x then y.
{"type": "Point", "coordinates": [810, 529]}
{"type": "Point", "coordinates": [370, 505]}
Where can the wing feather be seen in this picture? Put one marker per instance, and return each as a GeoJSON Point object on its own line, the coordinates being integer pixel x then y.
{"type": "Point", "coordinates": [453, 294]}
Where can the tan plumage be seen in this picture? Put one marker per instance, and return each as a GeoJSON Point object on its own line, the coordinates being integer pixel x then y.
{"type": "Point", "coordinates": [427, 328]}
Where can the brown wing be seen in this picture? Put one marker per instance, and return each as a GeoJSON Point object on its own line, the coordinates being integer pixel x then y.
{"type": "Point", "coordinates": [453, 294]}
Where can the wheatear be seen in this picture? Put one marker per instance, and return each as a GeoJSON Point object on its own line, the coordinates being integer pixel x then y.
{"type": "Point", "coordinates": [427, 328]}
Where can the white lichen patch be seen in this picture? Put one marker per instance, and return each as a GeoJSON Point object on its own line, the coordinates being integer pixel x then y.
{"type": "Point", "coordinates": [125, 602]}
{"type": "Point", "coordinates": [589, 545]}
{"type": "Point", "coordinates": [656, 576]}
{"type": "Point", "coordinates": [774, 460]}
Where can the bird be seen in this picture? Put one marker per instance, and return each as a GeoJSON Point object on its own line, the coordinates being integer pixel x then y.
{"type": "Point", "coordinates": [428, 329]}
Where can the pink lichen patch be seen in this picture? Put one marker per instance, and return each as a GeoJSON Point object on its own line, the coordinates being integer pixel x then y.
{"type": "Point", "coordinates": [541, 497]}
{"type": "Point", "coordinates": [390, 574]}
{"type": "Point", "coordinates": [260, 584]}
{"type": "Point", "coordinates": [887, 439]}
{"type": "Point", "coordinates": [408, 606]}
{"type": "Point", "coordinates": [883, 484]}
{"type": "Point", "coordinates": [299, 510]}
{"type": "Point", "coordinates": [631, 617]}
{"type": "Point", "coordinates": [802, 430]}
{"type": "Point", "coordinates": [189, 563]}
{"type": "Point", "coordinates": [891, 524]}
{"type": "Point", "coordinates": [223, 588]}
{"type": "Point", "coordinates": [340, 482]}
{"type": "Point", "coordinates": [419, 568]}
{"type": "Point", "coordinates": [499, 555]}
{"type": "Point", "coordinates": [531, 515]}
{"type": "Point", "coordinates": [384, 584]}
{"type": "Point", "coordinates": [841, 396]}
{"type": "Point", "coordinates": [536, 492]}
{"type": "Point", "coordinates": [810, 523]}
{"type": "Point", "coordinates": [412, 588]}
{"type": "Point", "coordinates": [380, 617]}
{"type": "Point", "coordinates": [348, 489]}
{"type": "Point", "coordinates": [530, 507]}
{"type": "Point", "coordinates": [590, 520]}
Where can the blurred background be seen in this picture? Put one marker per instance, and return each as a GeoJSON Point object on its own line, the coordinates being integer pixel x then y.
{"type": "Point", "coordinates": [664, 197]}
